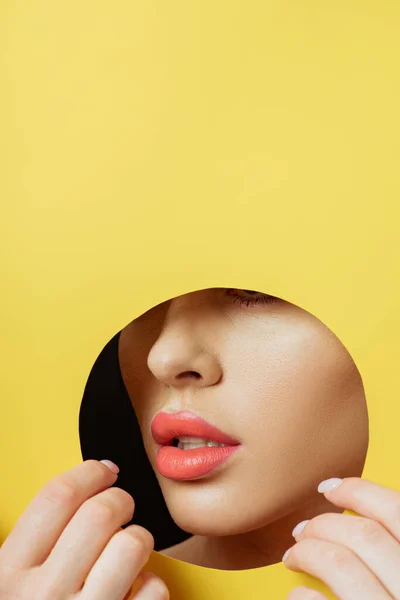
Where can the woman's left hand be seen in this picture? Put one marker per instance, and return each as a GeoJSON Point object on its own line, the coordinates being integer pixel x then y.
{"type": "Point", "coordinates": [357, 557]}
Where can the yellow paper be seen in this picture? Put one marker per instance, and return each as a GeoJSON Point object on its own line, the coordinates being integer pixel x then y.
{"type": "Point", "coordinates": [156, 148]}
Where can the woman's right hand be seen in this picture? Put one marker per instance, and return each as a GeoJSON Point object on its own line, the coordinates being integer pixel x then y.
{"type": "Point", "coordinates": [69, 543]}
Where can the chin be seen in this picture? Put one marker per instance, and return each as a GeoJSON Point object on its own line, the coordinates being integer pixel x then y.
{"type": "Point", "coordinates": [204, 524]}
{"type": "Point", "coordinates": [200, 510]}
{"type": "Point", "coordinates": [212, 517]}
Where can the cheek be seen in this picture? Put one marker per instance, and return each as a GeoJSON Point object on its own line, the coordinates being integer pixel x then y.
{"type": "Point", "coordinates": [295, 389]}
{"type": "Point", "coordinates": [301, 414]}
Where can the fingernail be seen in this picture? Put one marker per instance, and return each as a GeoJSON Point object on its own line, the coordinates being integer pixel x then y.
{"type": "Point", "coordinates": [284, 557]}
{"type": "Point", "coordinates": [112, 466]}
{"type": "Point", "coordinates": [299, 528]}
{"type": "Point", "coordinates": [329, 484]}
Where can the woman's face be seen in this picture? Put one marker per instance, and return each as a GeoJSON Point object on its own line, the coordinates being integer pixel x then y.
{"type": "Point", "coordinates": [269, 375]}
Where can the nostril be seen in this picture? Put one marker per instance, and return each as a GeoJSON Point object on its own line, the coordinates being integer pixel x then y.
{"type": "Point", "coordinates": [191, 374]}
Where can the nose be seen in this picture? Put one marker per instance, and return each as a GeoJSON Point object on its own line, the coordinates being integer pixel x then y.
{"type": "Point", "coordinates": [185, 353]}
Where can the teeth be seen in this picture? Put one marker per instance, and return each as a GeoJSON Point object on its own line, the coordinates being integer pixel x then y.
{"type": "Point", "coordinates": [188, 443]}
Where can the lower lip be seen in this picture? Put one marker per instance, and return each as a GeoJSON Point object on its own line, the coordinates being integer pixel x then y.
{"type": "Point", "coordinates": [178, 464]}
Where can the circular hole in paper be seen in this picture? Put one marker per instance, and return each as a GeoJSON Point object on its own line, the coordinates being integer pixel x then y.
{"type": "Point", "coordinates": [262, 378]}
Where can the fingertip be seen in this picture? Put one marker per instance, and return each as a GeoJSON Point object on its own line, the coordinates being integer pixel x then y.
{"type": "Point", "coordinates": [286, 555]}
{"type": "Point", "coordinates": [329, 484]}
{"type": "Point", "coordinates": [110, 465]}
{"type": "Point", "coordinates": [144, 535]}
{"type": "Point", "coordinates": [153, 585]}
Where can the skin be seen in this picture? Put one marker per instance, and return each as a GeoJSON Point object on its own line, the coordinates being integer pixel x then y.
{"type": "Point", "coordinates": [355, 556]}
{"type": "Point", "coordinates": [68, 543]}
{"type": "Point", "coordinates": [270, 375]}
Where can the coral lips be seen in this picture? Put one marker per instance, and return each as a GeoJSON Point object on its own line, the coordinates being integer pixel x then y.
{"type": "Point", "coordinates": [178, 464]}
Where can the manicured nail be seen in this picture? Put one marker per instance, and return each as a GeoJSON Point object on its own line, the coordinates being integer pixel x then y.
{"type": "Point", "coordinates": [112, 466]}
{"type": "Point", "coordinates": [329, 484]}
{"type": "Point", "coordinates": [284, 557]}
{"type": "Point", "coordinates": [299, 528]}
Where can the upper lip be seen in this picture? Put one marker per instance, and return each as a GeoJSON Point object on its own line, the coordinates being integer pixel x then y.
{"type": "Point", "coordinates": [165, 427]}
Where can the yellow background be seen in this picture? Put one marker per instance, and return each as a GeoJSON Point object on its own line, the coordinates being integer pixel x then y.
{"type": "Point", "coordinates": [155, 148]}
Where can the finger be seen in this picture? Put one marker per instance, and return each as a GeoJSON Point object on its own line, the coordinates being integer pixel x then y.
{"type": "Point", "coordinates": [368, 499]}
{"type": "Point", "coordinates": [85, 537]}
{"type": "Point", "coordinates": [369, 540]}
{"type": "Point", "coordinates": [118, 565]}
{"type": "Point", "coordinates": [151, 588]}
{"type": "Point", "coordinates": [305, 593]}
{"type": "Point", "coordinates": [338, 567]}
{"type": "Point", "coordinates": [42, 522]}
